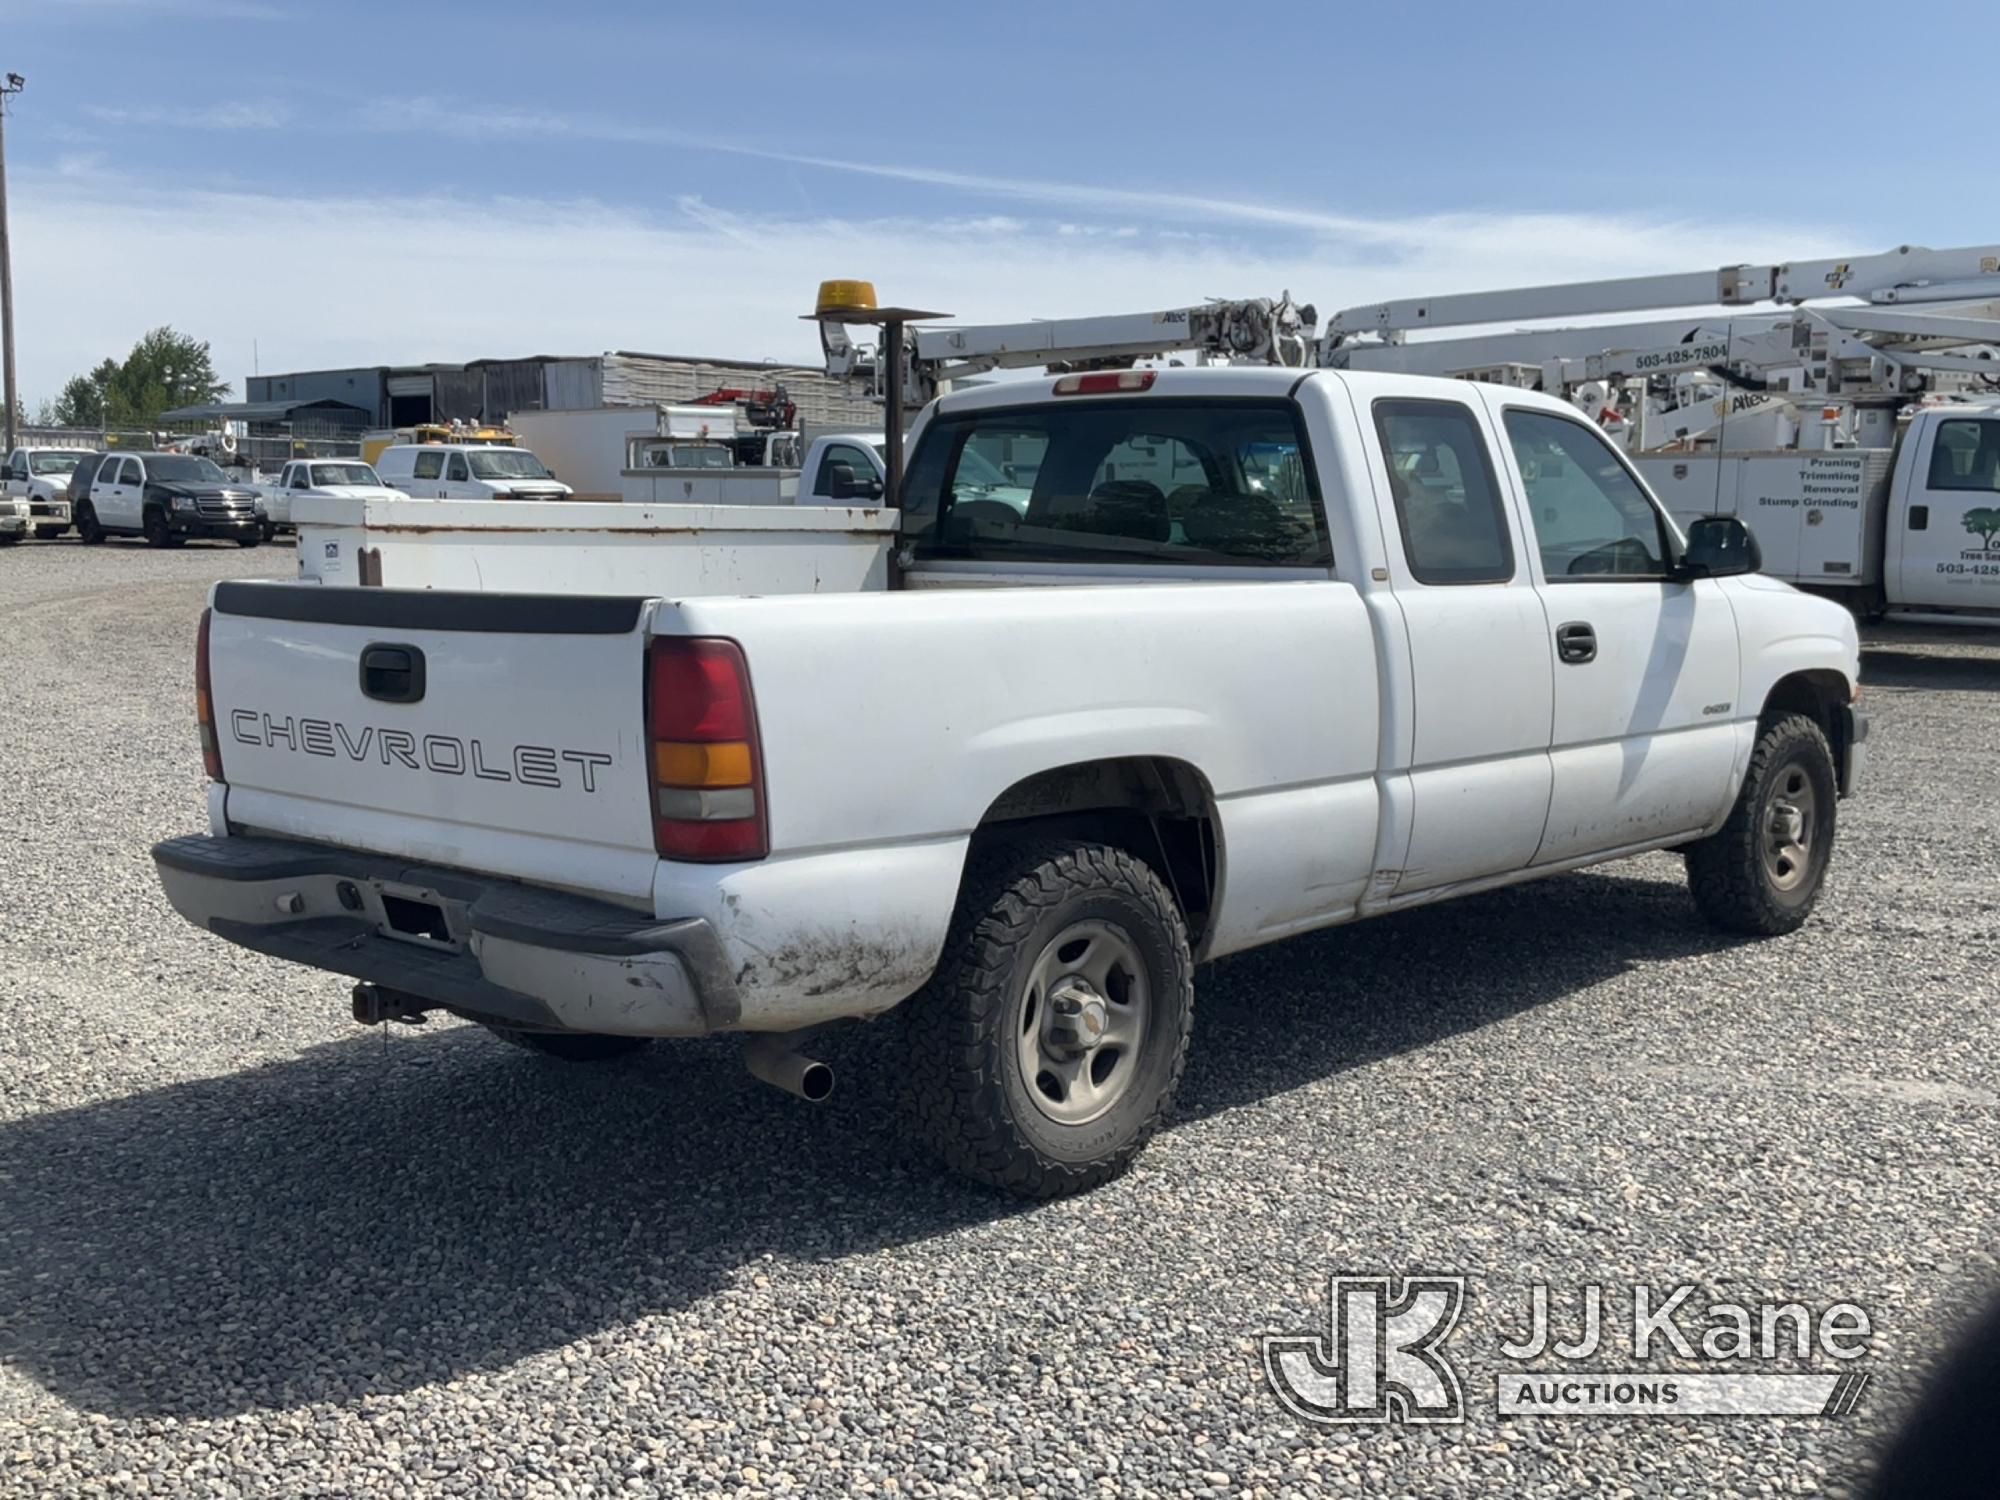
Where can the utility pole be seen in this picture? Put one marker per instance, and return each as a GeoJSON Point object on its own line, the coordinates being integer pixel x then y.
{"type": "Point", "coordinates": [15, 83]}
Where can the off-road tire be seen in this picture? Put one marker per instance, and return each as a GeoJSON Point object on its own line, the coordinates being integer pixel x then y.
{"type": "Point", "coordinates": [250, 541]}
{"type": "Point", "coordinates": [49, 533]}
{"type": "Point", "coordinates": [1728, 874]}
{"type": "Point", "coordinates": [572, 1046]}
{"type": "Point", "coordinates": [964, 1089]}
{"type": "Point", "coordinates": [158, 533]}
{"type": "Point", "coordinates": [87, 528]}
{"type": "Point", "coordinates": [8, 538]}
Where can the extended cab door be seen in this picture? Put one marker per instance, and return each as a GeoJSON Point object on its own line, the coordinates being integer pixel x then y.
{"type": "Point", "coordinates": [1944, 520]}
{"type": "Point", "coordinates": [1478, 643]}
{"type": "Point", "coordinates": [1646, 665]}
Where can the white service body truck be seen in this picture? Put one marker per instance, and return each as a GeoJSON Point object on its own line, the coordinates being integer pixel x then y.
{"type": "Point", "coordinates": [1911, 532]}
{"type": "Point", "coordinates": [1093, 732]}
{"type": "Point", "coordinates": [37, 479]}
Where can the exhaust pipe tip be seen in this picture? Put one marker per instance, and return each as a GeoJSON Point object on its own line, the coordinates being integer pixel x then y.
{"type": "Point", "coordinates": [776, 1060]}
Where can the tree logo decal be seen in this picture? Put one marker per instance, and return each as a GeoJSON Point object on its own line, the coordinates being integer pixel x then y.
{"type": "Point", "coordinates": [1984, 523]}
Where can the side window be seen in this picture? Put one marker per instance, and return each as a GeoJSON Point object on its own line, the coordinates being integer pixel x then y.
{"type": "Point", "coordinates": [1965, 455]}
{"type": "Point", "coordinates": [456, 470]}
{"type": "Point", "coordinates": [301, 477]}
{"type": "Point", "coordinates": [1447, 502]}
{"type": "Point", "coordinates": [131, 471]}
{"type": "Point", "coordinates": [1591, 518]}
{"type": "Point", "coordinates": [429, 465]}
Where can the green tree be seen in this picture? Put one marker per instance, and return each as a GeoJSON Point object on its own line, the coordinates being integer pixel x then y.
{"type": "Point", "coordinates": [81, 403]}
{"type": "Point", "coordinates": [165, 369]}
{"type": "Point", "coordinates": [1984, 522]}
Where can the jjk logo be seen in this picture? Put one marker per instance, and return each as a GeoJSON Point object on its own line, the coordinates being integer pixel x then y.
{"type": "Point", "coordinates": [1379, 1361]}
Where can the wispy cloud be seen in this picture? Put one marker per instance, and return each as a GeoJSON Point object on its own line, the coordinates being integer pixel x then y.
{"type": "Point", "coordinates": [699, 280]}
{"type": "Point", "coordinates": [229, 116]}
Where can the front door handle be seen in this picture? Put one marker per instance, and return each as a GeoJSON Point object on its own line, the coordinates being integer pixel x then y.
{"type": "Point", "coordinates": [1576, 642]}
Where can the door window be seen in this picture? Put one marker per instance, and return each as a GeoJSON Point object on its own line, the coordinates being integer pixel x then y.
{"type": "Point", "coordinates": [1447, 502]}
{"type": "Point", "coordinates": [1965, 455]}
{"type": "Point", "coordinates": [456, 472]}
{"type": "Point", "coordinates": [130, 471]}
{"type": "Point", "coordinates": [428, 465]}
{"type": "Point", "coordinates": [1591, 518]}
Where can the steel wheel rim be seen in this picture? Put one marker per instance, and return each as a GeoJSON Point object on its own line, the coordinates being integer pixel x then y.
{"type": "Point", "coordinates": [1083, 1022]}
{"type": "Point", "coordinates": [1789, 831]}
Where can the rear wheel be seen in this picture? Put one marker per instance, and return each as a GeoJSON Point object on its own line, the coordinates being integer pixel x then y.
{"type": "Point", "coordinates": [158, 532]}
{"type": "Point", "coordinates": [87, 527]}
{"type": "Point", "coordinates": [571, 1046]}
{"type": "Point", "coordinates": [1762, 872]}
{"type": "Point", "coordinates": [1047, 1048]}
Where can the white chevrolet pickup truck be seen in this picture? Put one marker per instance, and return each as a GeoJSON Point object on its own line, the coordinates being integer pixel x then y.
{"type": "Point", "coordinates": [1172, 664]}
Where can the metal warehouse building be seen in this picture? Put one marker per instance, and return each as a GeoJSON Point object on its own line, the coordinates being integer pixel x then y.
{"type": "Point", "coordinates": [491, 389]}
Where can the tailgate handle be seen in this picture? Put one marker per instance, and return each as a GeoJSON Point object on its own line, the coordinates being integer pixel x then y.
{"type": "Point", "coordinates": [392, 674]}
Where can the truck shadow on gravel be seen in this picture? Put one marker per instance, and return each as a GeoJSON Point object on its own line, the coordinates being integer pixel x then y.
{"type": "Point", "coordinates": [368, 1219]}
{"type": "Point", "coordinates": [1886, 664]}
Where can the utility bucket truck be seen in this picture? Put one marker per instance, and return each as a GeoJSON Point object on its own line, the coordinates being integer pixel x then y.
{"type": "Point", "coordinates": [1848, 411]}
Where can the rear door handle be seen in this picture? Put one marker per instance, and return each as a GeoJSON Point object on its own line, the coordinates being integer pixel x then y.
{"type": "Point", "coordinates": [1576, 642]}
{"type": "Point", "coordinates": [393, 674]}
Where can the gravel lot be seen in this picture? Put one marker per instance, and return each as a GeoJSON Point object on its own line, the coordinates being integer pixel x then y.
{"type": "Point", "coordinates": [248, 1248]}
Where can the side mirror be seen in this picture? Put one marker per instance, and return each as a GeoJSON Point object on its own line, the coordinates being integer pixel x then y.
{"type": "Point", "coordinates": [1720, 547]}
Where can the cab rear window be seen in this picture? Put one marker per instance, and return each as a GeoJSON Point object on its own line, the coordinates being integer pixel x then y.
{"type": "Point", "coordinates": [1155, 481]}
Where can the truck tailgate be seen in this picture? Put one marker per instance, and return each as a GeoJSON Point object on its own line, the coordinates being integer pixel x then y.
{"type": "Point", "coordinates": [497, 732]}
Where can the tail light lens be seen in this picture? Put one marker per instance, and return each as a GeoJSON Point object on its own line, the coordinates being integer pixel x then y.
{"type": "Point", "coordinates": [204, 704]}
{"type": "Point", "coordinates": [702, 751]}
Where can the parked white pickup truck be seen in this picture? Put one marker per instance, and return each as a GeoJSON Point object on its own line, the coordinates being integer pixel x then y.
{"type": "Point", "coordinates": [1219, 656]}
{"type": "Point", "coordinates": [40, 477]}
{"type": "Point", "coordinates": [349, 478]}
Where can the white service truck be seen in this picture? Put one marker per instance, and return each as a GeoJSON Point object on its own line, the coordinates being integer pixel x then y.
{"type": "Point", "coordinates": [38, 478]}
{"type": "Point", "coordinates": [1910, 531]}
{"type": "Point", "coordinates": [1093, 730]}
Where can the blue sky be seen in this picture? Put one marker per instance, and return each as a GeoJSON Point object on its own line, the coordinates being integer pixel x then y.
{"type": "Point", "coordinates": [363, 182]}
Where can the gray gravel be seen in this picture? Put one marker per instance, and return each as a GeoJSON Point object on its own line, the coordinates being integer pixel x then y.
{"type": "Point", "coordinates": [246, 1248]}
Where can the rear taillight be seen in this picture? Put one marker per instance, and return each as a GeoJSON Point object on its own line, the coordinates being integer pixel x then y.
{"type": "Point", "coordinates": [1105, 382]}
{"type": "Point", "coordinates": [707, 768]}
{"type": "Point", "coordinates": [204, 704]}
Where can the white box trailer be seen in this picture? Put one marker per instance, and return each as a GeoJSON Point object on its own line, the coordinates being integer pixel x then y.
{"type": "Point", "coordinates": [547, 547]}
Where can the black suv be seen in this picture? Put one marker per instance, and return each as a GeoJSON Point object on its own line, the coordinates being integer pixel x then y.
{"type": "Point", "coordinates": [166, 498]}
